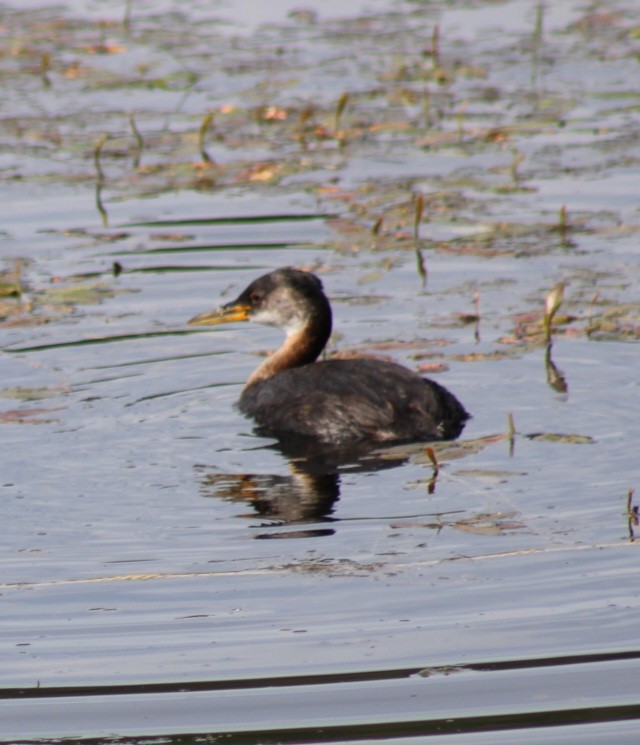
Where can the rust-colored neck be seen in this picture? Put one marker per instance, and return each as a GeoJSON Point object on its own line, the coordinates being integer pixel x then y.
{"type": "Point", "coordinates": [300, 348]}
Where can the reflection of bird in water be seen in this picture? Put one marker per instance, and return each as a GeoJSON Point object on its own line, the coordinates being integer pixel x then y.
{"type": "Point", "coordinates": [336, 401]}
{"type": "Point", "coordinates": [297, 498]}
{"type": "Point", "coordinates": [307, 494]}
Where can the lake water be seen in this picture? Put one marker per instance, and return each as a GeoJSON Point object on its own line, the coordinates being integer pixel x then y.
{"type": "Point", "coordinates": [168, 576]}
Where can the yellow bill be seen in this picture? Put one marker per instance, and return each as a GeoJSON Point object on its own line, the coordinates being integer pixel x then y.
{"type": "Point", "coordinates": [226, 314]}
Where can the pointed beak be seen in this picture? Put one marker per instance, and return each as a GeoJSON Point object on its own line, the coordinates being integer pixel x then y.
{"type": "Point", "coordinates": [227, 314]}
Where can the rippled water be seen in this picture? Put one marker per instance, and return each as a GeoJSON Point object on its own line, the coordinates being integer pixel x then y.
{"type": "Point", "coordinates": [166, 575]}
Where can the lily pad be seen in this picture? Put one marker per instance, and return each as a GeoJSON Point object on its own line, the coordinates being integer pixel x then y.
{"type": "Point", "coordinates": [80, 294]}
{"type": "Point", "coordinates": [27, 416]}
{"type": "Point", "coordinates": [571, 439]}
{"type": "Point", "coordinates": [31, 394]}
{"type": "Point", "coordinates": [9, 289]}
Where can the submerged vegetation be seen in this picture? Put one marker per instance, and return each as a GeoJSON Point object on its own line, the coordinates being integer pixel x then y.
{"type": "Point", "coordinates": [411, 146]}
{"type": "Point", "coordinates": [463, 177]}
{"type": "Point", "coordinates": [399, 102]}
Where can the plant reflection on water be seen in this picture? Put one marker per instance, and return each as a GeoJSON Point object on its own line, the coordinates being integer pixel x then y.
{"type": "Point", "coordinates": [555, 377]}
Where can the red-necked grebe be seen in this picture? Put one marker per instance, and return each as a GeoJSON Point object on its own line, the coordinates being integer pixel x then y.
{"type": "Point", "coordinates": [333, 401]}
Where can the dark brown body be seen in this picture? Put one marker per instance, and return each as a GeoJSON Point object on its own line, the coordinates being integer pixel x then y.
{"type": "Point", "coordinates": [355, 399]}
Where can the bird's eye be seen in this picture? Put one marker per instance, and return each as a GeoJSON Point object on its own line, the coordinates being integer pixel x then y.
{"type": "Point", "coordinates": [255, 298]}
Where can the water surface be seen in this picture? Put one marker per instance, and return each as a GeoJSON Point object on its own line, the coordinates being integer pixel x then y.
{"type": "Point", "coordinates": [166, 573]}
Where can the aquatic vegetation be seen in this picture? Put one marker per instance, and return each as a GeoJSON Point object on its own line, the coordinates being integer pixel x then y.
{"type": "Point", "coordinates": [442, 171]}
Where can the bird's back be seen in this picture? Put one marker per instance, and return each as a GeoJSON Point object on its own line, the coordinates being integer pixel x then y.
{"type": "Point", "coordinates": [338, 401]}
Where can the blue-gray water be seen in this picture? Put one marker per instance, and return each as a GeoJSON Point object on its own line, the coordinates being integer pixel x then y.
{"type": "Point", "coordinates": [167, 575]}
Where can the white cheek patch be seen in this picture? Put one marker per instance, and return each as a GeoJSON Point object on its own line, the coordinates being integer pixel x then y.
{"type": "Point", "coordinates": [281, 310]}
{"type": "Point", "coordinates": [271, 317]}
{"type": "Point", "coordinates": [265, 316]}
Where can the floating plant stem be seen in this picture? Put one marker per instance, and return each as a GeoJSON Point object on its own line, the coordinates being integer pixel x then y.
{"type": "Point", "coordinates": [426, 105]}
{"type": "Point", "coordinates": [417, 218]}
{"type": "Point", "coordinates": [422, 267]}
{"type": "Point", "coordinates": [632, 514]}
{"type": "Point", "coordinates": [511, 433]}
{"type": "Point", "coordinates": [138, 137]}
{"type": "Point", "coordinates": [516, 160]}
{"type": "Point", "coordinates": [97, 154]}
{"type": "Point", "coordinates": [553, 301]}
{"type": "Point", "coordinates": [435, 45]}
{"type": "Point", "coordinates": [340, 107]}
{"type": "Point", "coordinates": [45, 66]}
{"type": "Point", "coordinates": [104, 215]}
{"type": "Point", "coordinates": [16, 272]}
{"type": "Point", "coordinates": [431, 484]}
{"type": "Point", "coordinates": [590, 325]}
{"type": "Point", "coordinates": [476, 305]}
{"type": "Point", "coordinates": [10, 284]}
{"type": "Point", "coordinates": [630, 507]}
{"type": "Point", "coordinates": [377, 226]}
{"type": "Point", "coordinates": [563, 225]}
{"type": "Point", "coordinates": [205, 125]}
{"type": "Point", "coordinates": [562, 222]}
{"type": "Point", "coordinates": [432, 458]}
